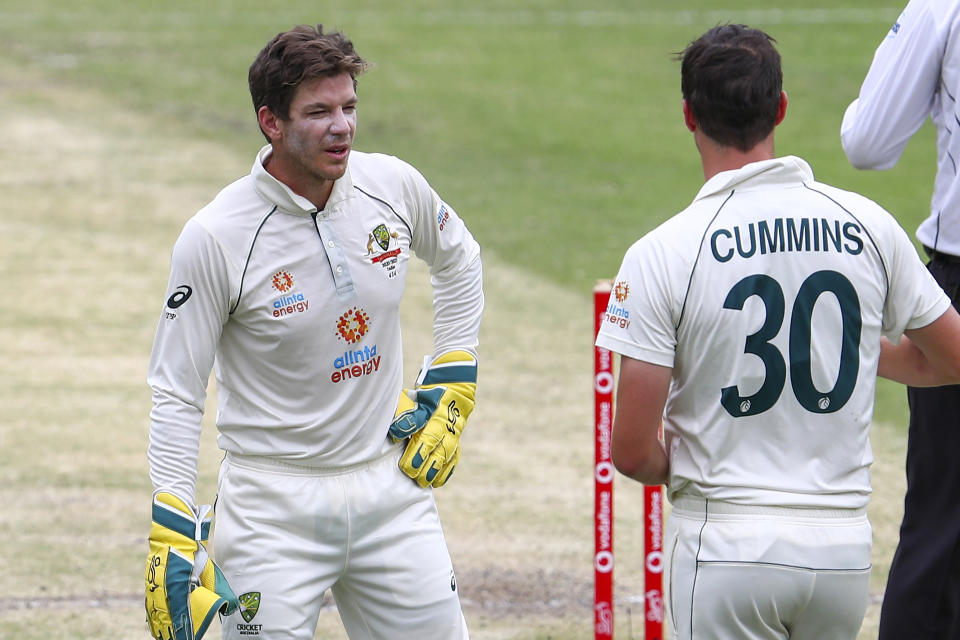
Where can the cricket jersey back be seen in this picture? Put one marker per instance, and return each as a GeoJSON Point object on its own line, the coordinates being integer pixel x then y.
{"type": "Point", "coordinates": [767, 297]}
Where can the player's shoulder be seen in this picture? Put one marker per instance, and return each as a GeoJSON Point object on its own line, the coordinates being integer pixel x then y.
{"type": "Point", "coordinates": [233, 214]}
{"type": "Point", "coordinates": [927, 19]}
{"type": "Point", "coordinates": [943, 10]}
{"type": "Point", "coordinates": [683, 231]}
{"type": "Point", "coordinates": [879, 224]}
{"type": "Point", "coordinates": [673, 244]}
{"type": "Point", "coordinates": [855, 204]}
{"type": "Point", "coordinates": [383, 175]}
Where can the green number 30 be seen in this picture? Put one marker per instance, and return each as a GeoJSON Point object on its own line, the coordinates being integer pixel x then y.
{"type": "Point", "coordinates": [801, 376]}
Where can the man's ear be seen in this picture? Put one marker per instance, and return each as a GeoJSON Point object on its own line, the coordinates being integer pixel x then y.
{"type": "Point", "coordinates": [688, 117]}
{"type": "Point", "coordinates": [782, 109]}
{"type": "Point", "coordinates": [270, 124]}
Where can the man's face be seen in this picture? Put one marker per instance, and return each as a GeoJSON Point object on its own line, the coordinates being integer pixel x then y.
{"type": "Point", "coordinates": [315, 142]}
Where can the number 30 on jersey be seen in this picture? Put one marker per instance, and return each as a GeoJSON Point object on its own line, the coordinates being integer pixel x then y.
{"type": "Point", "coordinates": [801, 376]}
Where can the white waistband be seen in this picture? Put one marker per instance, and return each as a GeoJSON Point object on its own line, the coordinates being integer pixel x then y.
{"type": "Point", "coordinates": [275, 465]}
{"type": "Point", "coordinates": [700, 506]}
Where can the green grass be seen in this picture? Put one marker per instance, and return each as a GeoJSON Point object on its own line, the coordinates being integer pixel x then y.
{"type": "Point", "coordinates": [554, 129]}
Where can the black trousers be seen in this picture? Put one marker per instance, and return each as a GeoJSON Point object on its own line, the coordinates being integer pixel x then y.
{"type": "Point", "coordinates": [922, 600]}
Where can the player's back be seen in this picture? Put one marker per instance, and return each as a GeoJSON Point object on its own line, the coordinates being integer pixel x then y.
{"type": "Point", "coordinates": [779, 306]}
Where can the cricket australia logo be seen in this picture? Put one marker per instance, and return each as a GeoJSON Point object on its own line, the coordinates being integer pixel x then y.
{"type": "Point", "coordinates": [249, 605]}
{"type": "Point", "coordinates": [381, 238]}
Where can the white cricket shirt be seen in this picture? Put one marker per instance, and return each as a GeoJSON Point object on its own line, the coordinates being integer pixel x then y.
{"type": "Point", "coordinates": [768, 296]}
{"type": "Point", "coordinates": [296, 311]}
{"type": "Point", "coordinates": [915, 73]}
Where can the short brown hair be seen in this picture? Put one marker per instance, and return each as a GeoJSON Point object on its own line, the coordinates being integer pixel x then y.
{"type": "Point", "coordinates": [732, 80]}
{"type": "Point", "coordinates": [302, 53]}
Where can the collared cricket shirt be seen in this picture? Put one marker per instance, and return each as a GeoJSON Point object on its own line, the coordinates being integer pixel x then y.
{"type": "Point", "coordinates": [296, 311]}
{"type": "Point", "coordinates": [767, 297]}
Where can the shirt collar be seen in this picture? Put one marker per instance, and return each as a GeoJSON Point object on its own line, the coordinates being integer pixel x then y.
{"type": "Point", "coordinates": [759, 174]}
{"type": "Point", "coordinates": [284, 197]}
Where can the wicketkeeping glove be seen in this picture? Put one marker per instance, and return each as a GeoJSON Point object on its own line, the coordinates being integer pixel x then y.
{"type": "Point", "coordinates": [185, 589]}
{"type": "Point", "coordinates": [432, 415]}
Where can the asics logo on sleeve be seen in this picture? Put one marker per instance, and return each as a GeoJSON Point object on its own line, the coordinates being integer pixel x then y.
{"type": "Point", "coordinates": [181, 295]}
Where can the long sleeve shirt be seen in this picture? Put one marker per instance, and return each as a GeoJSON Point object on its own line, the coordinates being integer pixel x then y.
{"type": "Point", "coordinates": [296, 311]}
{"type": "Point", "coordinates": [915, 74]}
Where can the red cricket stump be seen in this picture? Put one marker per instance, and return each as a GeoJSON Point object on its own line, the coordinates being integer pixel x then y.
{"type": "Point", "coordinates": [603, 383]}
{"type": "Point", "coordinates": [603, 476]}
{"type": "Point", "coordinates": [653, 562]}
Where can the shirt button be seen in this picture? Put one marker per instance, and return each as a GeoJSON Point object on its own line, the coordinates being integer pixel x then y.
{"type": "Point", "coordinates": [330, 244]}
{"type": "Point", "coordinates": [339, 269]}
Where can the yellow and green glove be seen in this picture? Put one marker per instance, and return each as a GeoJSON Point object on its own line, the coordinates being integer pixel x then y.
{"type": "Point", "coordinates": [185, 589]}
{"type": "Point", "coordinates": [432, 415]}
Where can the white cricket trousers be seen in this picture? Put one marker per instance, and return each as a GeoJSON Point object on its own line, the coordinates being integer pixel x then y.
{"type": "Point", "coordinates": [284, 534]}
{"type": "Point", "coordinates": [739, 572]}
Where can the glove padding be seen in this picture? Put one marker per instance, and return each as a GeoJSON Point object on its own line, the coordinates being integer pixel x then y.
{"type": "Point", "coordinates": [432, 415]}
{"type": "Point", "coordinates": [185, 589]}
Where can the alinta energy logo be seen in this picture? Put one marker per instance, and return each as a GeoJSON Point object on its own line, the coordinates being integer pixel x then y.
{"type": "Point", "coordinates": [443, 216]}
{"type": "Point", "coordinates": [616, 314]}
{"type": "Point", "coordinates": [352, 326]}
{"type": "Point", "coordinates": [621, 290]}
{"type": "Point", "coordinates": [282, 281]}
{"type": "Point", "coordinates": [290, 304]}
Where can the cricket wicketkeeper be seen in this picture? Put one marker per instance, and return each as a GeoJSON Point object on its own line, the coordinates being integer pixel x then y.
{"type": "Point", "coordinates": [287, 286]}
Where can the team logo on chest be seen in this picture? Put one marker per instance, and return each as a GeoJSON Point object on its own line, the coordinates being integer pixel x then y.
{"type": "Point", "coordinates": [282, 281]}
{"type": "Point", "coordinates": [353, 325]}
{"type": "Point", "coordinates": [291, 301]}
{"type": "Point", "coordinates": [356, 362]}
{"type": "Point", "coordinates": [379, 251]}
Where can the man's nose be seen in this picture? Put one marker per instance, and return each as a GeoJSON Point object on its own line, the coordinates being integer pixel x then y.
{"type": "Point", "coordinates": [340, 123]}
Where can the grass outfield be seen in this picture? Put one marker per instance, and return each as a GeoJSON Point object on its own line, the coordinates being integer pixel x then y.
{"type": "Point", "coordinates": [540, 122]}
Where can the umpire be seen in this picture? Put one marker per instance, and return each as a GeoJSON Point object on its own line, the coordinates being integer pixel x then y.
{"type": "Point", "coordinates": [915, 74]}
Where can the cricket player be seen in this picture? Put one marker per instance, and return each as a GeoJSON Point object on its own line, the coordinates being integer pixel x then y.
{"type": "Point", "coordinates": [287, 285]}
{"type": "Point", "coordinates": [915, 75]}
{"type": "Point", "coordinates": [754, 324]}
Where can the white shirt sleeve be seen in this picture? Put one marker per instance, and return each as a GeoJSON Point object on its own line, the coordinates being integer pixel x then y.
{"type": "Point", "coordinates": [197, 306]}
{"type": "Point", "coordinates": [443, 241]}
{"type": "Point", "coordinates": [641, 319]}
{"type": "Point", "coordinates": [898, 92]}
{"type": "Point", "coordinates": [914, 299]}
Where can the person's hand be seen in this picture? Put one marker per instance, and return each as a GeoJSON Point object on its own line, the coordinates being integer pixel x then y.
{"type": "Point", "coordinates": [432, 415]}
{"type": "Point", "coordinates": [185, 589]}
